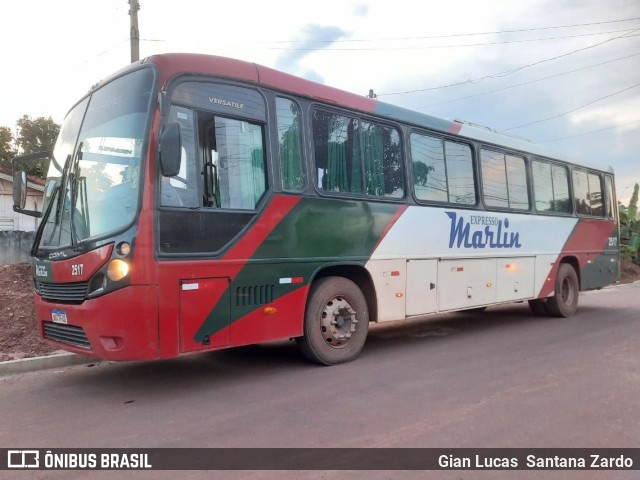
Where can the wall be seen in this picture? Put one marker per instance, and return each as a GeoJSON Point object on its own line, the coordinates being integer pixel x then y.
{"type": "Point", "coordinates": [15, 247]}
{"type": "Point", "coordinates": [10, 220]}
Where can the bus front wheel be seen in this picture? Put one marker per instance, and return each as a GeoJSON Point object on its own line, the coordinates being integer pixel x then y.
{"type": "Point", "coordinates": [336, 322]}
{"type": "Point", "coordinates": [565, 301]}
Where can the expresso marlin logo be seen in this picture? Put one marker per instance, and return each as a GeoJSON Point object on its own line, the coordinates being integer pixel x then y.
{"type": "Point", "coordinates": [495, 233]}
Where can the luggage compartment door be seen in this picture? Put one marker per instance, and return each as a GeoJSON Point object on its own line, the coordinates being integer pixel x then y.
{"type": "Point", "coordinates": [422, 292]}
{"type": "Point", "coordinates": [466, 283]}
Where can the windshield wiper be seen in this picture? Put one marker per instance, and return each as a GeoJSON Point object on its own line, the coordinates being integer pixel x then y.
{"type": "Point", "coordinates": [74, 182]}
{"type": "Point", "coordinates": [43, 223]}
{"type": "Point", "coordinates": [67, 184]}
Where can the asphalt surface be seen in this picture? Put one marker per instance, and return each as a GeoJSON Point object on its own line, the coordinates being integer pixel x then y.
{"type": "Point", "coordinates": [503, 378]}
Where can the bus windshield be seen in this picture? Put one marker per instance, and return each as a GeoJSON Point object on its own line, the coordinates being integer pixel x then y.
{"type": "Point", "coordinates": [94, 176]}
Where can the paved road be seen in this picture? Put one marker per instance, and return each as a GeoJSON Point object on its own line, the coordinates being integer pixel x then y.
{"type": "Point", "coordinates": [499, 379]}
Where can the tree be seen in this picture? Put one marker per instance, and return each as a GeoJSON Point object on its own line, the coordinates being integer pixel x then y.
{"type": "Point", "coordinates": [36, 135]}
{"type": "Point", "coordinates": [630, 228]}
{"type": "Point", "coordinates": [7, 151]}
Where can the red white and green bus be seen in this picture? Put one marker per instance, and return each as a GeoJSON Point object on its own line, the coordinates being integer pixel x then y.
{"type": "Point", "coordinates": [195, 203]}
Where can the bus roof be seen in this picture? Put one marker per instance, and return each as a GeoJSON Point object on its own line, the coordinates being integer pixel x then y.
{"type": "Point", "coordinates": [172, 64]}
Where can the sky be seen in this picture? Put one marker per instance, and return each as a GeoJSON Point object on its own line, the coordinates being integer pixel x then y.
{"type": "Point", "coordinates": [562, 73]}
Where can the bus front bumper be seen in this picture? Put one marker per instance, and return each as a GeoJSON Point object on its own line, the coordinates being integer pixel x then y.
{"type": "Point", "coordinates": [122, 325]}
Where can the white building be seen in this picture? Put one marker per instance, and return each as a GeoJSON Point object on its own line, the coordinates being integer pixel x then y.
{"type": "Point", "coordinates": [10, 220]}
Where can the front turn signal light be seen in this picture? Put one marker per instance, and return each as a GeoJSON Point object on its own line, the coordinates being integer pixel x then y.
{"type": "Point", "coordinates": [117, 269]}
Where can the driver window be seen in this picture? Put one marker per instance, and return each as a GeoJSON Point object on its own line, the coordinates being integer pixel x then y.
{"type": "Point", "coordinates": [234, 173]}
{"type": "Point", "coordinates": [181, 190]}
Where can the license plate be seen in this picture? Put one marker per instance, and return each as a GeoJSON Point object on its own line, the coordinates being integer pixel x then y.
{"type": "Point", "coordinates": [59, 316]}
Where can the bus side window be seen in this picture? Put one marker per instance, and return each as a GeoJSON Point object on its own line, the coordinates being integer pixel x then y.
{"type": "Point", "coordinates": [442, 170]}
{"type": "Point", "coordinates": [581, 193]}
{"type": "Point", "coordinates": [596, 195]}
{"type": "Point", "coordinates": [383, 173]}
{"type": "Point", "coordinates": [551, 187]}
{"type": "Point", "coordinates": [504, 178]}
{"type": "Point", "coordinates": [336, 140]}
{"type": "Point", "coordinates": [290, 145]}
{"type": "Point", "coordinates": [235, 174]}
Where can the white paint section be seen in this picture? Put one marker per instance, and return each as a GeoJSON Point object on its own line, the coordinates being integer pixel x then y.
{"type": "Point", "coordinates": [544, 265]}
{"type": "Point", "coordinates": [515, 278]}
{"type": "Point", "coordinates": [466, 283]}
{"type": "Point", "coordinates": [390, 289]}
{"type": "Point", "coordinates": [190, 286]}
{"type": "Point", "coordinates": [422, 287]}
{"type": "Point", "coordinates": [451, 259]}
{"type": "Point", "coordinates": [435, 232]}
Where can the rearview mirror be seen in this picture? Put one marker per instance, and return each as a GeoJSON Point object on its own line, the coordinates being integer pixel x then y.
{"type": "Point", "coordinates": [19, 190]}
{"type": "Point", "coordinates": [20, 184]}
{"type": "Point", "coordinates": [170, 150]}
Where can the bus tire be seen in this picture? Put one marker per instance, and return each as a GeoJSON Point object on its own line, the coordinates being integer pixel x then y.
{"type": "Point", "coordinates": [538, 307]}
{"type": "Point", "coordinates": [565, 301]}
{"type": "Point", "coordinates": [336, 322]}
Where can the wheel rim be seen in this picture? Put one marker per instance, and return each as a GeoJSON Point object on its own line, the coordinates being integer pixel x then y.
{"type": "Point", "coordinates": [338, 322]}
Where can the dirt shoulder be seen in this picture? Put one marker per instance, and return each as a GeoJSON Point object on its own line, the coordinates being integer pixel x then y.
{"type": "Point", "coordinates": [629, 272]}
{"type": "Point", "coordinates": [19, 333]}
{"type": "Point", "coordinates": [19, 336]}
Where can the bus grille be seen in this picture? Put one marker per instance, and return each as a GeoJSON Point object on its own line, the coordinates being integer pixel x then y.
{"type": "Point", "coordinates": [254, 295]}
{"type": "Point", "coordinates": [66, 334]}
{"type": "Point", "coordinates": [66, 292]}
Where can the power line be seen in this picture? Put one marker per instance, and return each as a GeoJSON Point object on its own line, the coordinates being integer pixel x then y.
{"type": "Point", "coordinates": [571, 111]}
{"type": "Point", "coordinates": [429, 47]}
{"type": "Point", "coordinates": [531, 81]}
{"type": "Point", "coordinates": [592, 132]}
{"type": "Point", "coordinates": [509, 72]}
{"type": "Point", "coordinates": [464, 34]}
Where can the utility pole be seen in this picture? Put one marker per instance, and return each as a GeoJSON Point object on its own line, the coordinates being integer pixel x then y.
{"type": "Point", "coordinates": [135, 33]}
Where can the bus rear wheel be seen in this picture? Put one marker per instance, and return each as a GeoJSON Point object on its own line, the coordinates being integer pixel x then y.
{"type": "Point", "coordinates": [336, 322]}
{"type": "Point", "coordinates": [565, 301]}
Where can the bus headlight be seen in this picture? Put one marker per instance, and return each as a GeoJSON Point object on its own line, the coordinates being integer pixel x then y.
{"type": "Point", "coordinates": [117, 269]}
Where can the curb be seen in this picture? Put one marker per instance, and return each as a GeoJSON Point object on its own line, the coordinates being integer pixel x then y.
{"type": "Point", "coordinates": [57, 360]}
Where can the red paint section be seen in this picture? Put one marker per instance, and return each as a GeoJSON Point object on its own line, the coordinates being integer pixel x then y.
{"type": "Point", "coordinates": [228, 267]}
{"type": "Point", "coordinates": [143, 262]}
{"type": "Point", "coordinates": [82, 267]}
{"type": "Point", "coordinates": [588, 234]}
{"type": "Point", "coordinates": [174, 64]}
{"type": "Point", "coordinates": [306, 88]}
{"type": "Point", "coordinates": [122, 325]}
{"type": "Point", "coordinates": [390, 225]}
{"type": "Point", "coordinates": [197, 299]}
{"type": "Point", "coordinates": [588, 240]}
{"type": "Point", "coordinates": [279, 208]}
{"type": "Point", "coordinates": [455, 128]}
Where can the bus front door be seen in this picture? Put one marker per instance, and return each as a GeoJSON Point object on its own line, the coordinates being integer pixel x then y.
{"type": "Point", "coordinates": [204, 313]}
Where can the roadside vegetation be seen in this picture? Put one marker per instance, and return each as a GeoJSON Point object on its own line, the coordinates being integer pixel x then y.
{"type": "Point", "coordinates": [630, 229]}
